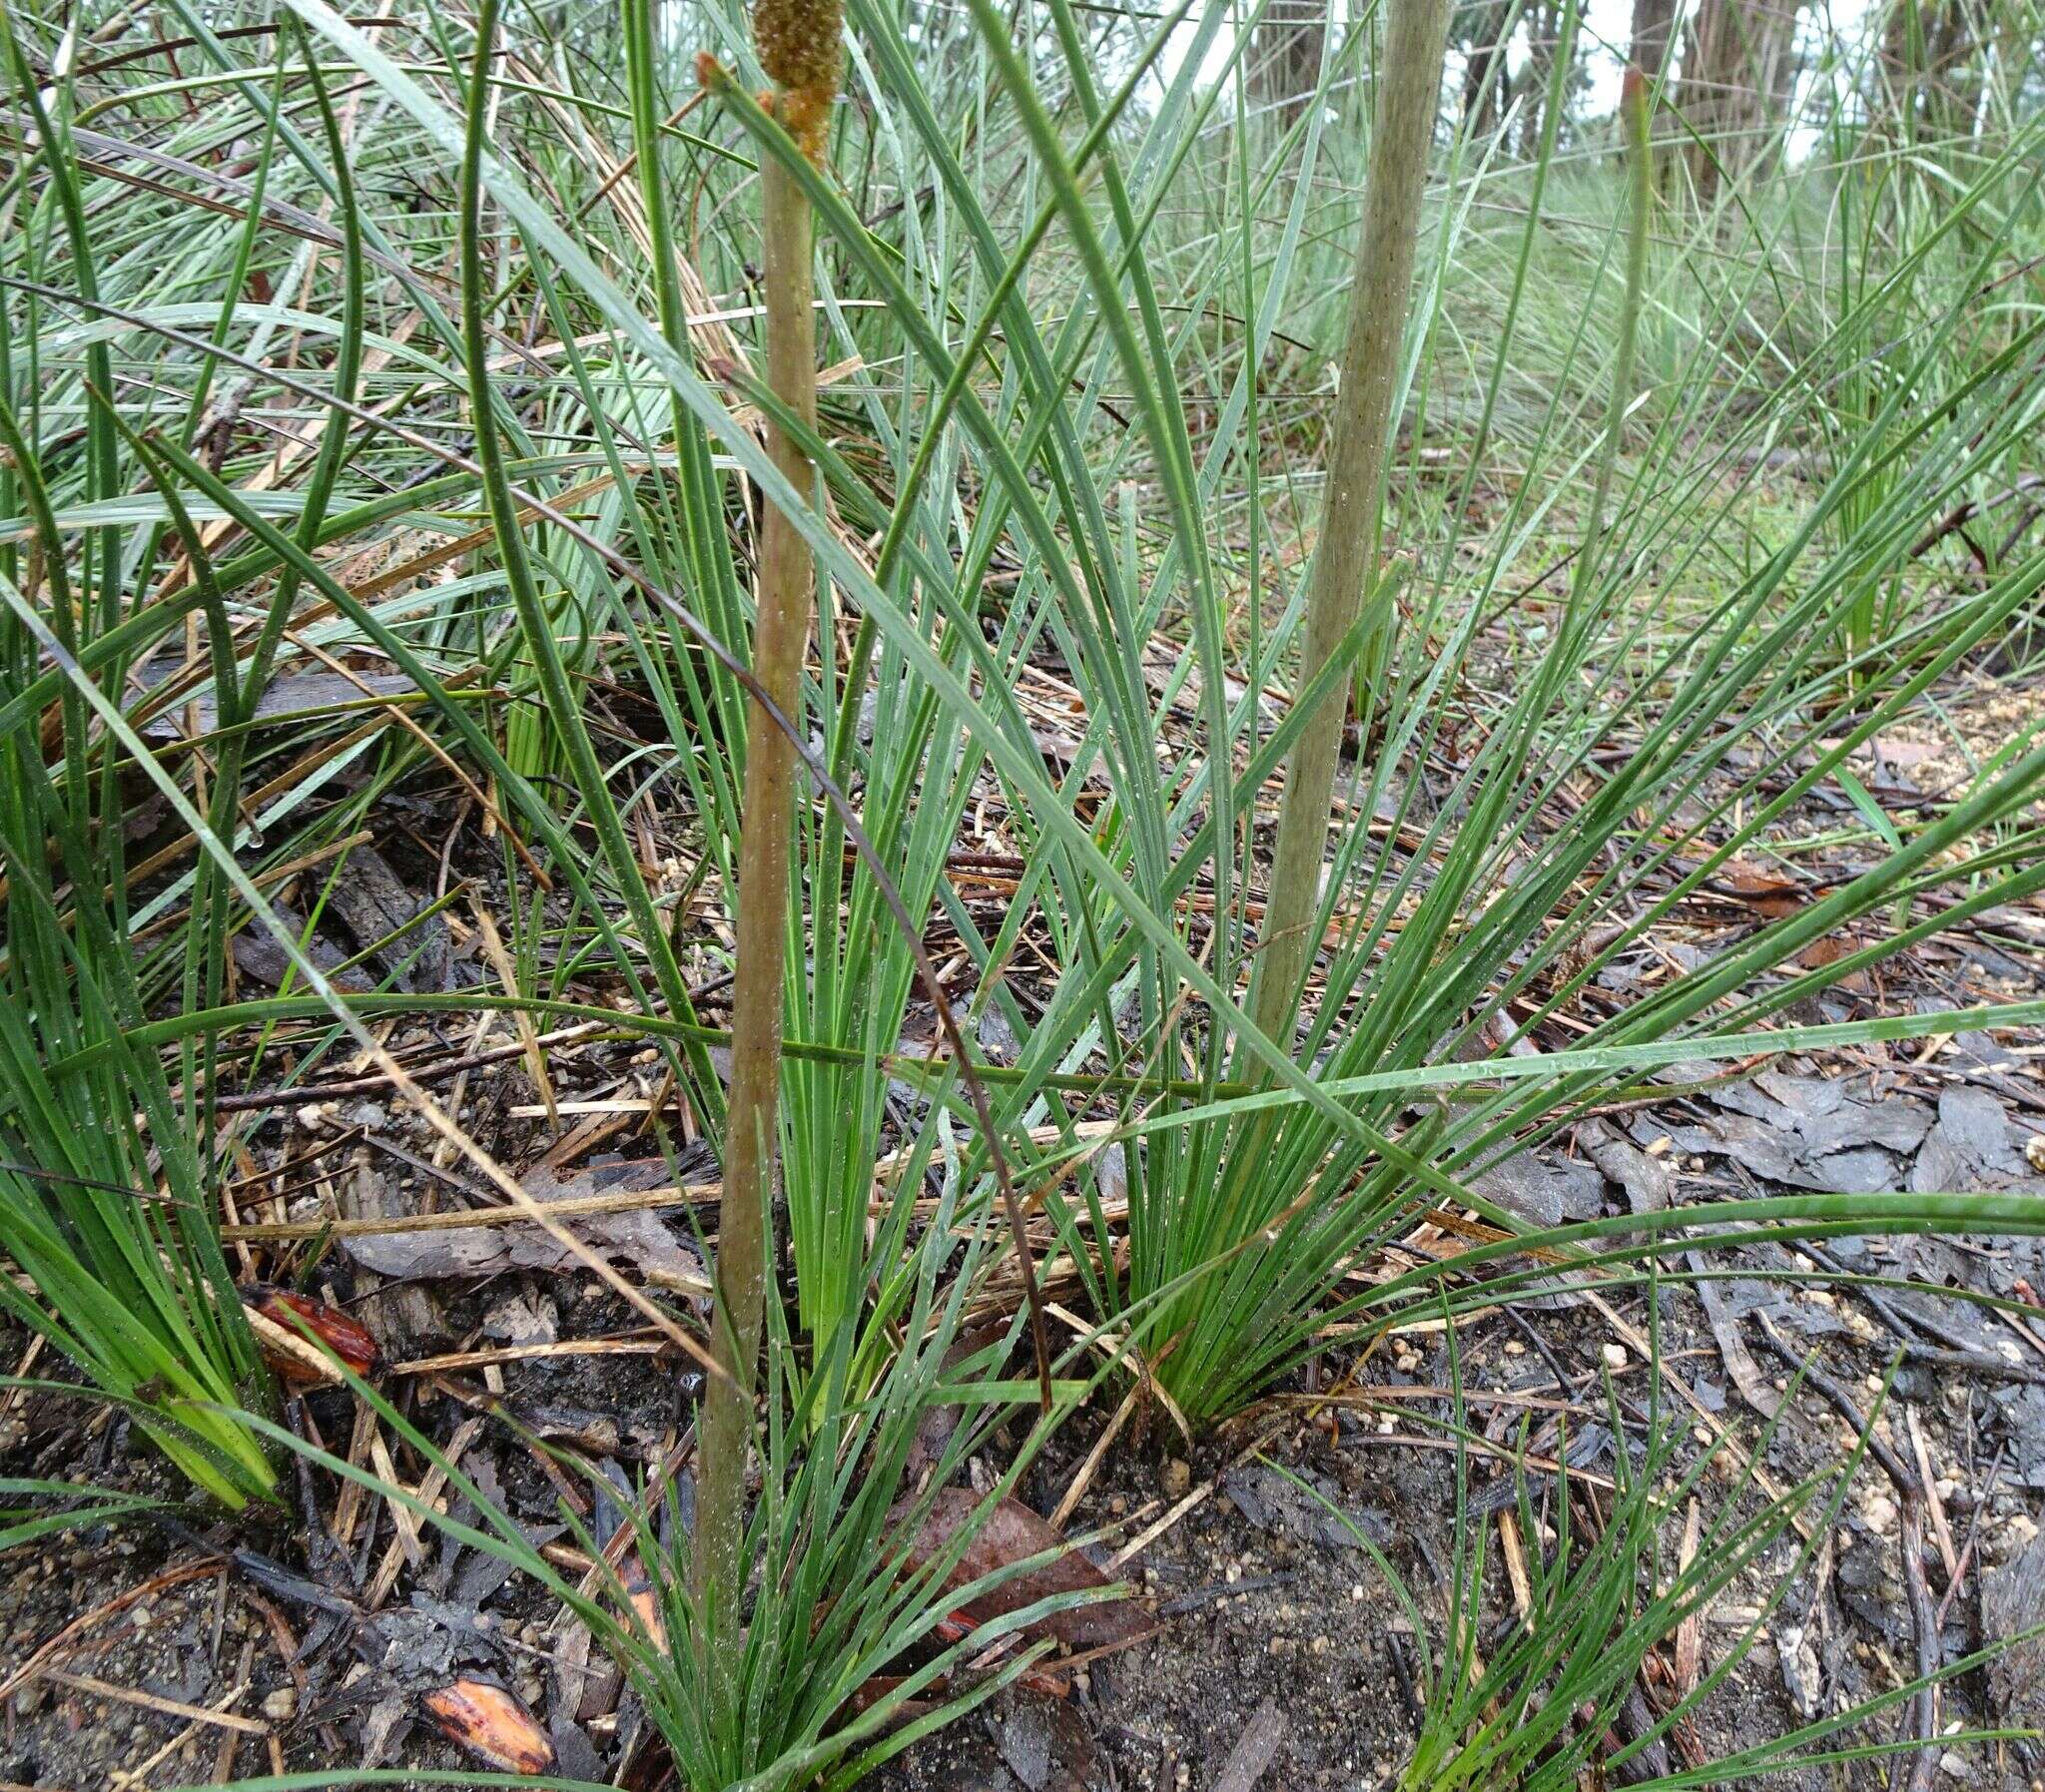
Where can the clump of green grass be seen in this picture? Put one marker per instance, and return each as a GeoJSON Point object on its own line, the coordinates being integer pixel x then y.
{"type": "Point", "coordinates": [107, 1201]}
{"type": "Point", "coordinates": [107, 1198]}
{"type": "Point", "coordinates": [846, 1645]}
{"type": "Point", "coordinates": [1458, 913]}
{"type": "Point", "coordinates": [1534, 1700]}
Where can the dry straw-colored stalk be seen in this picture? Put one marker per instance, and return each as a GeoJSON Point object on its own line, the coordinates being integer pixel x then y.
{"type": "Point", "coordinates": [801, 46]}
{"type": "Point", "coordinates": [1408, 90]}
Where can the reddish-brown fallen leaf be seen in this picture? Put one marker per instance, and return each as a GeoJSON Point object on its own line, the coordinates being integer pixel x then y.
{"type": "Point", "coordinates": [1821, 953]}
{"type": "Point", "coordinates": [1764, 893]}
{"type": "Point", "coordinates": [879, 1686]}
{"type": "Point", "coordinates": [491, 1724]}
{"type": "Point", "coordinates": [1011, 1532]}
{"type": "Point", "coordinates": [1051, 1681]}
{"type": "Point", "coordinates": [288, 1316]}
{"type": "Point", "coordinates": [1052, 1677]}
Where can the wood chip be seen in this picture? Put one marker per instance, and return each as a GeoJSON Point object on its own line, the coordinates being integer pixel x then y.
{"type": "Point", "coordinates": [1254, 1751]}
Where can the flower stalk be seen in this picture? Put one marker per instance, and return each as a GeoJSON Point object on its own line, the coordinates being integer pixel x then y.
{"type": "Point", "coordinates": [1346, 552]}
{"type": "Point", "coordinates": [801, 47]}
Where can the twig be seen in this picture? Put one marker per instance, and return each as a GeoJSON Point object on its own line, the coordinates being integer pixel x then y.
{"type": "Point", "coordinates": [462, 1219]}
{"type": "Point", "coordinates": [1940, 1531]}
{"type": "Point", "coordinates": [378, 1083]}
{"type": "Point", "coordinates": [1962, 514]}
{"type": "Point", "coordinates": [1081, 1482]}
{"type": "Point", "coordinates": [149, 1701]}
{"type": "Point", "coordinates": [67, 1637]}
{"type": "Point", "coordinates": [522, 1353]}
{"type": "Point", "coordinates": [1973, 1534]}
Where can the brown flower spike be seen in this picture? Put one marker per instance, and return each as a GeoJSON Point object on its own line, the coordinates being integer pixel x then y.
{"type": "Point", "coordinates": [801, 45]}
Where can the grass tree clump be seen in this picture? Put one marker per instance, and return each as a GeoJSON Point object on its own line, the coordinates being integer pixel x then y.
{"type": "Point", "coordinates": [989, 648]}
{"type": "Point", "coordinates": [852, 1648]}
{"type": "Point", "coordinates": [1603, 1581]}
{"type": "Point", "coordinates": [1486, 867]}
{"type": "Point", "coordinates": [108, 1198]}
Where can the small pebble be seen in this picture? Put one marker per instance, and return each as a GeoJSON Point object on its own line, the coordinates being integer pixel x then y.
{"type": "Point", "coordinates": [281, 1704]}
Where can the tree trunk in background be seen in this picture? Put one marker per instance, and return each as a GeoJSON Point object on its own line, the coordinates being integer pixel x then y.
{"type": "Point", "coordinates": [1654, 30]}
{"type": "Point", "coordinates": [1482, 29]}
{"type": "Point", "coordinates": [1932, 57]}
{"type": "Point", "coordinates": [1739, 73]}
{"type": "Point", "coordinates": [1543, 27]}
{"type": "Point", "coordinates": [1285, 56]}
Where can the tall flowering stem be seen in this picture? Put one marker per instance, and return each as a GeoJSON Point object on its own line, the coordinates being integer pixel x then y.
{"type": "Point", "coordinates": [1409, 92]}
{"type": "Point", "coordinates": [801, 46]}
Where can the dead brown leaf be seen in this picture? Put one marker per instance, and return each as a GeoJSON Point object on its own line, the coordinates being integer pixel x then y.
{"type": "Point", "coordinates": [1012, 1533]}
{"type": "Point", "coordinates": [491, 1724]}
{"type": "Point", "coordinates": [1762, 892]}
{"type": "Point", "coordinates": [290, 1317]}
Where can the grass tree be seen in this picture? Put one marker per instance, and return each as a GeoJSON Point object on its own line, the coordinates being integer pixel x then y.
{"type": "Point", "coordinates": [1045, 453]}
